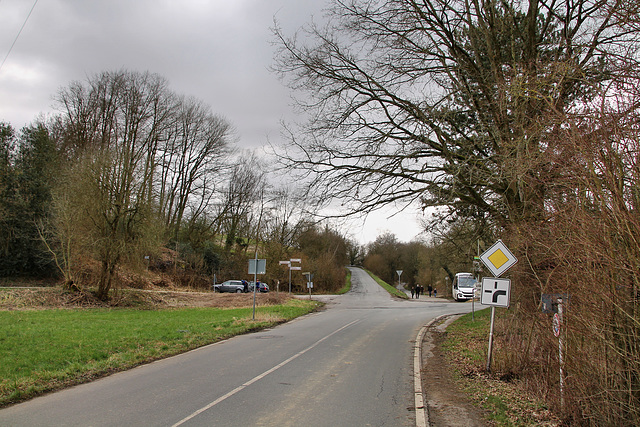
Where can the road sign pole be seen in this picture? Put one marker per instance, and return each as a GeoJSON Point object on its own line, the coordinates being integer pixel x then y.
{"type": "Point", "coordinates": [496, 291]}
{"type": "Point", "coordinates": [560, 353]}
{"type": "Point", "coordinates": [255, 283]}
{"type": "Point", "coordinates": [473, 302]}
{"type": "Point", "coordinates": [493, 316]}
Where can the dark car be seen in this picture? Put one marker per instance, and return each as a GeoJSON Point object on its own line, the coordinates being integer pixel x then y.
{"type": "Point", "coordinates": [236, 286]}
{"type": "Point", "coordinates": [262, 287]}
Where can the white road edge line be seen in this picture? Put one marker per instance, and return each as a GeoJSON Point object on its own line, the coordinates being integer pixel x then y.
{"type": "Point", "coordinates": [422, 415]}
{"type": "Point", "coordinates": [259, 377]}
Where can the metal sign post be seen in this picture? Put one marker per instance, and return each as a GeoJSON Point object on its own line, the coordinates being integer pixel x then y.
{"type": "Point", "coordinates": [489, 351]}
{"type": "Point", "coordinates": [495, 290]}
{"type": "Point", "coordinates": [557, 304]}
{"type": "Point", "coordinates": [309, 277]}
{"type": "Point", "coordinates": [560, 352]}
{"type": "Point", "coordinates": [256, 266]}
{"type": "Point", "coordinates": [298, 260]}
{"type": "Point", "coordinates": [288, 264]}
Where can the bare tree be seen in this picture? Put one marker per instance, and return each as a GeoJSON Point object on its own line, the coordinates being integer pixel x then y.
{"type": "Point", "coordinates": [444, 101]}
{"type": "Point", "coordinates": [194, 160]}
{"type": "Point", "coordinates": [284, 215]}
{"type": "Point", "coordinates": [112, 126]}
{"type": "Point", "coordinates": [239, 204]}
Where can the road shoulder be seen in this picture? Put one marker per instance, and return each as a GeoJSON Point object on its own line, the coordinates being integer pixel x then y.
{"type": "Point", "coordinates": [445, 403]}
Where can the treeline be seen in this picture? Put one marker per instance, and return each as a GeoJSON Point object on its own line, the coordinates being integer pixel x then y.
{"type": "Point", "coordinates": [129, 176]}
{"type": "Point", "coordinates": [432, 263]}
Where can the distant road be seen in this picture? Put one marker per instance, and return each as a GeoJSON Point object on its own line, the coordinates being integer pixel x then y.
{"type": "Point", "coordinates": [349, 365]}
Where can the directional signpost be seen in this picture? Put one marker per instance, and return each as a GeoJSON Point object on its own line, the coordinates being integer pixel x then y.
{"type": "Point", "coordinates": [288, 264]}
{"type": "Point", "coordinates": [496, 291]}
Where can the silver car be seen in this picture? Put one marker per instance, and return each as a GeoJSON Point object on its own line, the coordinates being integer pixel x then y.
{"type": "Point", "coordinates": [235, 286]}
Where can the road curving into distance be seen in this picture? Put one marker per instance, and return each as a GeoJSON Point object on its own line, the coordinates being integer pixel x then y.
{"type": "Point", "coordinates": [351, 364]}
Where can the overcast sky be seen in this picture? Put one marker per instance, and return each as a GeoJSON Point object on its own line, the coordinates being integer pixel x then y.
{"type": "Point", "coordinates": [216, 50]}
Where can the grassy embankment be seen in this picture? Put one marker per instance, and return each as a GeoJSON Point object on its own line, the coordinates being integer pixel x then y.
{"type": "Point", "coordinates": [391, 289]}
{"type": "Point", "coordinates": [504, 402]}
{"type": "Point", "coordinates": [347, 284]}
{"type": "Point", "coordinates": [45, 350]}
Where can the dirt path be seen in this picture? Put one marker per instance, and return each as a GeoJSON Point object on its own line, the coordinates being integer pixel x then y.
{"type": "Point", "coordinates": [446, 405]}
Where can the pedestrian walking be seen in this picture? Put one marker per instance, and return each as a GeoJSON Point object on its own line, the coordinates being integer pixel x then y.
{"type": "Point", "coordinates": [430, 289]}
{"type": "Point", "coordinates": [413, 291]}
{"type": "Point", "coordinates": [435, 293]}
{"type": "Point", "coordinates": [418, 289]}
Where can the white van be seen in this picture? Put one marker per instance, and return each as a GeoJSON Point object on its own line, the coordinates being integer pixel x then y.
{"type": "Point", "coordinates": [463, 286]}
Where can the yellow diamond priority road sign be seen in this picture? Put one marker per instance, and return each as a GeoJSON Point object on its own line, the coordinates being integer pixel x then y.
{"type": "Point", "coordinates": [498, 258]}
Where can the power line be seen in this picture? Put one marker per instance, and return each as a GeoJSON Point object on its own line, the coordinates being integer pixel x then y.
{"type": "Point", "coordinates": [18, 35]}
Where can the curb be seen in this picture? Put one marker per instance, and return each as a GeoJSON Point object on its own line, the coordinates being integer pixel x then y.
{"type": "Point", "coordinates": [422, 415]}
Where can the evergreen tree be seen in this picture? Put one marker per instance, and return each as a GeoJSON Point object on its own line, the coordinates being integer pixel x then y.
{"type": "Point", "coordinates": [26, 182]}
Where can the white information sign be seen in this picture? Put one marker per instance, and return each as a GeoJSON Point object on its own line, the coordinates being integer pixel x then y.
{"type": "Point", "coordinates": [257, 266]}
{"type": "Point", "coordinates": [495, 291]}
{"type": "Point", "coordinates": [498, 258]}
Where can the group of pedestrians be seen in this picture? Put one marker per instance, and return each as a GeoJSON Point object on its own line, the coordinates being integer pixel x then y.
{"type": "Point", "coordinates": [419, 289]}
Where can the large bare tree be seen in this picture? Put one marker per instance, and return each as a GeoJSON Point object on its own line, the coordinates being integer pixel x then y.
{"type": "Point", "coordinates": [444, 101]}
{"type": "Point", "coordinates": [112, 130]}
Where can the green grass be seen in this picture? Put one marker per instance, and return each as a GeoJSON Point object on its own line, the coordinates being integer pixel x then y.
{"type": "Point", "coordinates": [44, 350]}
{"type": "Point", "coordinates": [465, 347]}
{"type": "Point", "coordinates": [464, 331]}
{"type": "Point", "coordinates": [347, 284]}
{"type": "Point", "coordinates": [391, 289]}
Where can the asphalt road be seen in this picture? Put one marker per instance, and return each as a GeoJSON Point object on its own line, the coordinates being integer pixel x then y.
{"type": "Point", "coordinates": [349, 365]}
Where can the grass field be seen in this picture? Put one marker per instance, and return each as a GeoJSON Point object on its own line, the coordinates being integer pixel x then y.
{"type": "Point", "coordinates": [45, 350]}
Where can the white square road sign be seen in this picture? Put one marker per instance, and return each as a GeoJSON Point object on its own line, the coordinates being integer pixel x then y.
{"type": "Point", "coordinates": [498, 258]}
{"type": "Point", "coordinates": [257, 266]}
{"type": "Point", "coordinates": [495, 291]}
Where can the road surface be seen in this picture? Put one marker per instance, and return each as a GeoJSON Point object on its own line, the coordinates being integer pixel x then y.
{"type": "Point", "coordinates": [349, 365]}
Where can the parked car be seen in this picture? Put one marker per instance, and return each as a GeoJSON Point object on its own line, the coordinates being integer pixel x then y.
{"type": "Point", "coordinates": [236, 286]}
{"type": "Point", "coordinates": [262, 287]}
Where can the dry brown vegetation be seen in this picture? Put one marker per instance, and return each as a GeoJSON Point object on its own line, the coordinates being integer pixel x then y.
{"type": "Point", "coordinates": [585, 245]}
{"type": "Point", "coordinates": [152, 288]}
{"type": "Point", "coordinates": [54, 297]}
